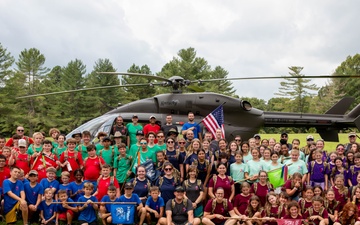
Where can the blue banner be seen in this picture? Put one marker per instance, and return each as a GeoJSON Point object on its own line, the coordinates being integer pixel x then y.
{"type": "Point", "coordinates": [123, 213]}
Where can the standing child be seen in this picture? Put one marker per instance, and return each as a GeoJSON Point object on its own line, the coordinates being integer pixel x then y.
{"type": "Point", "coordinates": [237, 171]}
{"type": "Point", "coordinates": [65, 211]}
{"type": "Point", "coordinates": [65, 177]}
{"type": "Point", "coordinates": [337, 169]}
{"type": "Point", "coordinates": [92, 165]}
{"type": "Point", "coordinates": [340, 190]}
{"type": "Point", "coordinates": [318, 171]}
{"type": "Point", "coordinates": [354, 170]}
{"type": "Point", "coordinates": [22, 159]}
{"type": "Point", "coordinates": [122, 165]}
{"type": "Point", "coordinates": [77, 186]}
{"type": "Point", "coordinates": [318, 191]}
{"type": "Point", "coordinates": [154, 206]}
{"type": "Point", "coordinates": [50, 181]}
{"type": "Point", "coordinates": [296, 165]}
{"type": "Point", "coordinates": [35, 149]}
{"type": "Point", "coordinates": [105, 181]}
{"type": "Point", "coordinates": [317, 212]}
{"type": "Point", "coordinates": [70, 159]}
{"type": "Point", "coordinates": [47, 208]}
{"type": "Point", "coordinates": [87, 215]}
{"type": "Point", "coordinates": [105, 209]}
{"type": "Point", "coordinates": [33, 192]}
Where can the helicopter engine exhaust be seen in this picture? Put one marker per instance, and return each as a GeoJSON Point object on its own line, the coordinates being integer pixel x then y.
{"type": "Point", "coordinates": [246, 105]}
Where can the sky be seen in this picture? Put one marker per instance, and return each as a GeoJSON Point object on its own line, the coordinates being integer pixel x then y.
{"type": "Point", "coordinates": [246, 38]}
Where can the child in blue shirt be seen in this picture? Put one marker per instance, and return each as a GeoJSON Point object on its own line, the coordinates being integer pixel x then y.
{"type": "Point", "coordinates": [50, 180]}
{"type": "Point", "coordinates": [87, 215]}
{"type": "Point", "coordinates": [47, 209]}
{"type": "Point", "coordinates": [105, 209]}
{"type": "Point", "coordinates": [77, 186]}
{"type": "Point", "coordinates": [65, 178]}
{"type": "Point", "coordinates": [33, 192]}
{"type": "Point", "coordinates": [154, 206]}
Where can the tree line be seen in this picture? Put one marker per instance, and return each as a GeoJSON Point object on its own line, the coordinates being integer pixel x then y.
{"type": "Point", "coordinates": [29, 75]}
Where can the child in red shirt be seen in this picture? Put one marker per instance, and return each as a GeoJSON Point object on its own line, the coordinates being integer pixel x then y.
{"type": "Point", "coordinates": [104, 181]}
{"type": "Point", "coordinates": [70, 159]}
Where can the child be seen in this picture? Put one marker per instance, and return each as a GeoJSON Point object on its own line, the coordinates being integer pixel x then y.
{"type": "Point", "coordinates": [33, 192]}
{"type": "Point", "coordinates": [87, 211]}
{"type": "Point", "coordinates": [47, 209]}
{"type": "Point", "coordinates": [317, 213]}
{"type": "Point", "coordinates": [273, 208]}
{"type": "Point", "coordinates": [294, 186]}
{"type": "Point", "coordinates": [293, 211]}
{"type": "Point", "coordinates": [337, 169]}
{"type": "Point", "coordinates": [122, 165]}
{"type": "Point", "coordinates": [35, 149]}
{"type": "Point", "coordinates": [50, 181]}
{"type": "Point", "coordinates": [341, 192]}
{"type": "Point", "coordinates": [160, 160]}
{"type": "Point", "coordinates": [242, 200]}
{"type": "Point", "coordinates": [130, 197]}
{"type": "Point", "coordinates": [154, 206]}
{"type": "Point", "coordinates": [65, 211]}
{"type": "Point", "coordinates": [71, 159]}
{"type": "Point", "coordinates": [350, 158]}
{"type": "Point", "coordinates": [245, 151]}
{"type": "Point", "coordinates": [92, 165]}
{"type": "Point", "coordinates": [105, 209]}
{"type": "Point", "coordinates": [237, 171]}
{"type": "Point", "coordinates": [108, 152]}
{"type": "Point", "coordinates": [65, 177]}
{"type": "Point", "coordinates": [285, 199]}
{"type": "Point", "coordinates": [353, 171]}
{"type": "Point", "coordinates": [318, 171]}
{"type": "Point", "coordinates": [45, 160]}
{"type": "Point", "coordinates": [22, 159]}
{"type": "Point", "coordinates": [14, 197]}
{"type": "Point", "coordinates": [349, 215]}
{"type": "Point", "coordinates": [331, 205]}
{"type": "Point", "coordinates": [306, 202]}
{"type": "Point", "coordinates": [254, 210]}
{"type": "Point", "coordinates": [318, 191]}
{"type": "Point", "coordinates": [255, 166]}
{"type": "Point", "coordinates": [82, 148]}
{"type": "Point", "coordinates": [6, 151]}
{"type": "Point", "coordinates": [297, 165]}
{"type": "Point", "coordinates": [332, 157]}
{"type": "Point", "coordinates": [77, 186]}
{"type": "Point", "coordinates": [105, 181]}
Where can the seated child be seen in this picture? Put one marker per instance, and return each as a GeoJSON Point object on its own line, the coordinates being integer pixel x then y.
{"type": "Point", "coordinates": [47, 209]}
{"type": "Point", "coordinates": [87, 215]}
{"type": "Point", "coordinates": [105, 209]}
{"type": "Point", "coordinates": [154, 206]}
{"type": "Point", "coordinates": [65, 211]}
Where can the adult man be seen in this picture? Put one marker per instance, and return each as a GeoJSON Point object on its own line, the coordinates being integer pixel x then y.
{"type": "Point", "coordinates": [284, 139]}
{"type": "Point", "coordinates": [119, 126]}
{"type": "Point", "coordinates": [352, 140]}
{"type": "Point", "coordinates": [152, 126]}
{"type": "Point", "coordinates": [20, 131]}
{"type": "Point", "coordinates": [168, 125]}
{"type": "Point", "coordinates": [257, 140]}
{"type": "Point", "coordinates": [192, 126]}
{"type": "Point", "coordinates": [132, 129]}
{"type": "Point", "coordinates": [208, 136]}
{"type": "Point", "coordinates": [189, 137]}
{"type": "Point", "coordinates": [238, 141]}
{"type": "Point", "coordinates": [179, 211]}
{"type": "Point", "coordinates": [306, 148]}
{"type": "Point", "coordinates": [77, 135]}
{"type": "Point", "coordinates": [214, 144]}
{"type": "Point", "coordinates": [14, 197]}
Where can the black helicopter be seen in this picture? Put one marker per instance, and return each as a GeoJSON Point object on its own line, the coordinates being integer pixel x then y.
{"type": "Point", "coordinates": [239, 116]}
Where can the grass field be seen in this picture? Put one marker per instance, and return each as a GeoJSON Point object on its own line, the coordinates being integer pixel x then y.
{"type": "Point", "coordinates": [329, 146]}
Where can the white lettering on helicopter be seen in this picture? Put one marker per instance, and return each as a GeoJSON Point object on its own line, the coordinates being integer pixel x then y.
{"type": "Point", "coordinates": [169, 103]}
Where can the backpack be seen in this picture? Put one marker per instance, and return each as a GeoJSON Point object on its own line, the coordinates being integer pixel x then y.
{"type": "Point", "coordinates": [330, 210]}
{"type": "Point", "coordinates": [213, 205]}
{"type": "Point", "coordinates": [311, 211]}
{"type": "Point", "coordinates": [196, 163]}
{"type": "Point", "coordinates": [184, 202]}
{"type": "Point", "coordinates": [98, 159]}
{"type": "Point", "coordinates": [112, 178]}
{"type": "Point", "coordinates": [186, 183]}
{"type": "Point", "coordinates": [66, 155]}
{"type": "Point", "coordinates": [161, 180]}
{"type": "Point", "coordinates": [112, 148]}
{"type": "Point", "coordinates": [147, 183]}
{"type": "Point", "coordinates": [269, 186]}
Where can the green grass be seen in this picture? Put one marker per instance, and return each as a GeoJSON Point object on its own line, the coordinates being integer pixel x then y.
{"type": "Point", "coordinates": [329, 146]}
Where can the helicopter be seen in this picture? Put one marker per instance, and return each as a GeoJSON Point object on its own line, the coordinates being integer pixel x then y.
{"type": "Point", "coordinates": [240, 118]}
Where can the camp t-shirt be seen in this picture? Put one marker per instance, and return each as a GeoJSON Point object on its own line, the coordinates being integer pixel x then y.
{"type": "Point", "coordinates": [155, 205]}
{"type": "Point", "coordinates": [48, 210]}
{"type": "Point", "coordinates": [32, 193]}
{"type": "Point", "coordinates": [15, 187]}
{"type": "Point", "coordinates": [179, 211]}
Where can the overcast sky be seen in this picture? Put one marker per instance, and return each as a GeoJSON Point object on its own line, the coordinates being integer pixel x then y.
{"type": "Point", "coordinates": [247, 38]}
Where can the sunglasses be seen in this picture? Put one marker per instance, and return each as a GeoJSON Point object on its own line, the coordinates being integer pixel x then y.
{"type": "Point", "coordinates": [237, 140]}
{"type": "Point", "coordinates": [20, 130]}
{"type": "Point", "coordinates": [340, 148]}
{"type": "Point", "coordinates": [168, 169]}
{"type": "Point", "coordinates": [143, 143]}
{"type": "Point", "coordinates": [159, 136]}
{"type": "Point", "coordinates": [170, 142]}
{"type": "Point", "coordinates": [180, 142]}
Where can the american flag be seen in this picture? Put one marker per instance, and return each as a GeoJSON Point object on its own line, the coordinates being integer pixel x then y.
{"type": "Point", "coordinates": [215, 120]}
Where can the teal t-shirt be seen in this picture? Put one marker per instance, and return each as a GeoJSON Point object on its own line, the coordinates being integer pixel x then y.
{"type": "Point", "coordinates": [108, 154]}
{"type": "Point", "coordinates": [255, 167]}
{"type": "Point", "coordinates": [132, 132]}
{"type": "Point", "coordinates": [247, 158]}
{"type": "Point", "coordinates": [32, 149]}
{"type": "Point", "coordinates": [298, 166]}
{"type": "Point", "coordinates": [122, 165]}
{"type": "Point", "coordinates": [143, 157]}
{"type": "Point", "coordinates": [154, 149]}
{"type": "Point", "coordinates": [83, 150]}
{"type": "Point", "coordinates": [237, 171]}
{"type": "Point", "coordinates": [162, 147]}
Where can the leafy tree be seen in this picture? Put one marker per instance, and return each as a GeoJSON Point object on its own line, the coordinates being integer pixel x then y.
{"type": "Point", "coordinates": [222, 86]}
{"type": "Point", "coordinates": [347, 86]}
{"type": "Point", "coordinates": [6, 61]}
{"type": "Point", "coordinates": [297, 89]}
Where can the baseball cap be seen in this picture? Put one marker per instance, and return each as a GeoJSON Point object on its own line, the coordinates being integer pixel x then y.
{"type": "Point", "coordinates": [152, 116]}
{"type": "Point", "coordinates": [139, 132]}
{"type": "Point", "coordinates": [257, 135]}
{"type": "Point", "coordinates": [129, 185]}
{"type": "Point", "coordinates": [179, 189]}
{"type": "Point", "coordinates": [135, 116]}
{"type": "Point", "coordinates": [351, 134]}
{"type": "Point", "coordinates": [107, 138]}
{"type": "Point", "coordinates": [309, 137]}
{"type": "Point", "coordinates": [22, 143]}
{"type": "Point", "coordinates": [33, 172]}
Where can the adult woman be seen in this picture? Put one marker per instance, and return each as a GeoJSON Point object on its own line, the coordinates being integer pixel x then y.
{"type": "Point", "coordinates": [217, 209]}
{"type": "Point", "coordinates": [141, 184]}
{"type": "Point", "coordinates": [194, 191]}
{"type": "Point", "coordinates": [168, 182]}
{"type": "Point", "coordinates": [262, 187]}
{"type": "Point", "coordinates": [340, 150]}
{"type": "Point", "coordinates": [191, 156]}
{"type": "Point", "coordinates": [222, 180]}
{"type": "Point", "coordinates": [174, 156]}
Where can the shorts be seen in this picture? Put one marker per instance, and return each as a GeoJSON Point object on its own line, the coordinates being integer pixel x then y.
{"type": "Point", "coordinates": [62, 215]}
{"type": "Point", "coordinates": [92, 223]}
{"type": "Point", "coordinates": [10, 217]}
{"type": "Point", "coordinates": [180, 223]}
{"type": "Point", "coordinates": [221, 223]}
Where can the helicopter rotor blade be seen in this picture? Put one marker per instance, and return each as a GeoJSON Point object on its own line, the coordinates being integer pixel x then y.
{"type": "Point", "coordinates": [88, 89]}
{"type": "Point", "coordinates": [154, 77]}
